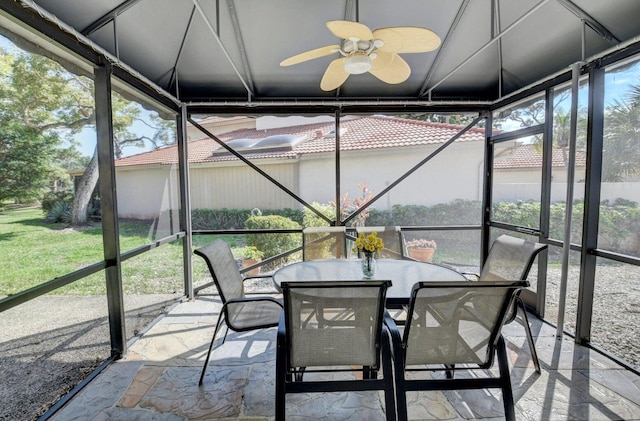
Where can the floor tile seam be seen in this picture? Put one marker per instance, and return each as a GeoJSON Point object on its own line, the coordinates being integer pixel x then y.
{"type": "Point", "coordinates": [588, 380]}
{"type": "Point", "coordinates": [594, 379]}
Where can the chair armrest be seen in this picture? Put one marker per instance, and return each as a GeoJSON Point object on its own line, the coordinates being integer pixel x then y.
{"type": "Point", "coordinates": [268, 290]}
{"type": "Point", "coordinates": [253, 299]}
{"type": "Point", "coordinates": [281, 329]}
{"type": "Point", "coordinates": [260, 276]}
{"type": "Point", "coordinates": [394, 333]}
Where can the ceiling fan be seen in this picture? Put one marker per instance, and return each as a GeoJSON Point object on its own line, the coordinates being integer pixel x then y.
{"type": "Point", "coordinates": [364, 51]}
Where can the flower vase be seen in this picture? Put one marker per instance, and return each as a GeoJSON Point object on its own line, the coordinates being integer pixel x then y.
{"type": "Point", "coordinates": [368, 265]}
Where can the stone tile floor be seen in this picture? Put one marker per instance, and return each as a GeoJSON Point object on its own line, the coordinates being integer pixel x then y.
{"type": "Point", "coordinates": [158, 380]}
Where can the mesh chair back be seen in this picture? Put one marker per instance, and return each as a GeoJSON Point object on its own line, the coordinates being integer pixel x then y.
{"type": "Point", "coordinates": [324, 243]}
{"type": "Point", "coordinates": [223, 268]}
{"type": "Point", "coordinates": [391, 237]}
{"type": "Point", "coordinates": [456, 322]}
{"type": "Point", "coordinates": [334, 323]}
{"type": "Point", "coordinates": [510, 258]}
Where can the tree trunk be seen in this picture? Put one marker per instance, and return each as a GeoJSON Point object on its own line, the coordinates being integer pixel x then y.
{"type": "Point", "coordinates": [84, 190]}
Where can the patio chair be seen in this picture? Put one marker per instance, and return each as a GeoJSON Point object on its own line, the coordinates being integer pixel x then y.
{"type": "Point", "coordinates": [392, 239]}
{"type": "Point", "coordinates": [454, 326]}
{"type": "Point", "coordinates": [240, 313]}
{"type": "Point", "coordinates": [332, 327]}
{"type": "Point", "coordinates": [511, 258]}
{"type": "Point", "coordinates": [324, 243]}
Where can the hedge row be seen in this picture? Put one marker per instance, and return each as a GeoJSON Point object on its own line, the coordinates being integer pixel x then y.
{"type": "Point", "coordinates": [223, 219]}
{"type": "Point", "coordinates": [619, 220]}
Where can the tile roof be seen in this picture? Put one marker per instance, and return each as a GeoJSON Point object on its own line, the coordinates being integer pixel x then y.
{"type": "Point", "coordinates": [529, 156]}
{"type": "Point", "coordinates": [371, 132]}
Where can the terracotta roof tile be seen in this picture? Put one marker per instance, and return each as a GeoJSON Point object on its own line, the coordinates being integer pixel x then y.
{"type": "Point", "coordinates": [528, 156]}
{"type": "Point", "coordinates": [361, 133]}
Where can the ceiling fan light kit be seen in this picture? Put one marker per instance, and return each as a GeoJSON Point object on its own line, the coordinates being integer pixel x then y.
{"type": "Point", "coordinates": [357, 64]}
{"type": "Point", "coordinates": [363, 51]}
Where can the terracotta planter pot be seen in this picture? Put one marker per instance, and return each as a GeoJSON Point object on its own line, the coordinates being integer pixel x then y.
{"type": "Point", "coordinates": [250, 262]}
{"type": "Point", "coordinates": [422, 254]}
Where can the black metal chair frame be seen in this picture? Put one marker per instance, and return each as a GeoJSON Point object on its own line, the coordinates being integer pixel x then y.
{"type": "Point", "coordinates": [537, 248]}
{"type": "Point", "coordinates": [495, 342]}
{"type": "Point", "coordinates": [226, 303]}
{"type": "Point", "coordinates": [289, 379]}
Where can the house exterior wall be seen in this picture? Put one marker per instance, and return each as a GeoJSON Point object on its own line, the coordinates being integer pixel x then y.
{"type": "Point", "coordinates": [234, 185]}
{"type": "Point", "coordinates": [532, 175]}
{"type": "Point", "coordinates": [453, 174]}
{"type": "Point", "coordinates": [150, 194]}
{"type": "Point", "coordinates": [146, 192]}
{"type": "Point", "coordinates": [513, 192]}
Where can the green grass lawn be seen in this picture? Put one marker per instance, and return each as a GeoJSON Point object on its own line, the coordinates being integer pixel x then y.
{"type": "Point", "coordinates": [33, 252]}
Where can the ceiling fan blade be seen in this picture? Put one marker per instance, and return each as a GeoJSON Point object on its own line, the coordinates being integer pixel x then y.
{"type": "Point", "coordinates": [334, 76]}
{"type": "Point", "coordinates": [346, 29]}
{"type": "Point", "coordinates": [397, 71]}
{"type": "Point", "coordinates": [407, 39]}
{"type": "Point", "coordinates": [310, 55]}
{"type": "Point", "coordinates": [382, 59]}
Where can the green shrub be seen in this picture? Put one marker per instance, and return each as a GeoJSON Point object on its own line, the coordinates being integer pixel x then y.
{"type": "Point", "coordinates": [458, 212]}
{"type": "Point", "coordinates": [311, 219]}
{"type": "Point", "coordinates": [220, 219]}
{"type": "Point", "coordinates": [276, 243]}
{"type": "Point", "coordinates": [60, 212]}
{"type": "Point", "coordinates": [50, 198]}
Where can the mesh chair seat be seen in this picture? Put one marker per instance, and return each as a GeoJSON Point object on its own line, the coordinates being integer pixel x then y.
{"type": "Point", "coordinates": [243, 314]}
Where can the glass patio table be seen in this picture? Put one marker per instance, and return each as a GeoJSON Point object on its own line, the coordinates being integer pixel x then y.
{"type": "Point", "coordinates": [403, 274]}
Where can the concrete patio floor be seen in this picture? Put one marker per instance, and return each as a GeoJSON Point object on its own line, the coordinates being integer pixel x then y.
{"type": "Point", "coordinates": [158, 380]}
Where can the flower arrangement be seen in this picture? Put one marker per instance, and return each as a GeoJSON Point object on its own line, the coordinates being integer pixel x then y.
{"type": "Point", "coordinates": [421, 243]}
{"type": "Point", "coordinates": [370, 243]}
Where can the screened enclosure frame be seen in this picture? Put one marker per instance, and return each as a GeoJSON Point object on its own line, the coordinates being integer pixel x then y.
{"type": "Point", "coordinates": [105, 70]}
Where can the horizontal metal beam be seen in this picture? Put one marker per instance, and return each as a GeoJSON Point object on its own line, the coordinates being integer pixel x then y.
{"type": "Point", "coordinates": [38, 290]}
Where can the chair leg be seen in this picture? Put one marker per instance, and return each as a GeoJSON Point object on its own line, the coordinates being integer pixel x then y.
{"type": "Point", "coordinates": [450, 371]}
{"type": "Point", "coordinates": [398, 373]}
{"type": "Point", "coordinates": [206, 361]}
{"type": "Point", "coordinates": [527, 329]}
{"type": "Point", "coordinates": [281, 372]}
{"type": "Point", "coordinates": [387, 373]}
{"type": "Point", "coordinates": [505, 380]}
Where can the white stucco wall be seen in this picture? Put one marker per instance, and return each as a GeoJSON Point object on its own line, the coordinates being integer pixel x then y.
{"type": "Point", "coordinates": [513, 192]}
{"type": "Point", "coordinates": [234, 185]}
{"type": "Point", "coordinates": [143, 192]}
{"type": "Point", "coordinates": [454, 174]}
{"type": "Point", "coordinates": [151, 194]}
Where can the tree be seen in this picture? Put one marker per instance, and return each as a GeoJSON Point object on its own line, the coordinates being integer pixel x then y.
{"type": "Point", "coordinates": [45, 97]}
{"type": "Point", "coordinates": [456, 119]}
{"type": "Point", "coordinates": [25, 161]}
{"type": "Point", "coordinates": [622, 138]}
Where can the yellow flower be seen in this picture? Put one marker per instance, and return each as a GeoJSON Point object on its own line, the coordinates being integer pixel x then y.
{"type": "Point", "coordinates": [371, 242]}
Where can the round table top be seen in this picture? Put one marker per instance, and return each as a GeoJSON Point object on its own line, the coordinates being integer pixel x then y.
{"type": "Point", "coordinates": [403, 274]}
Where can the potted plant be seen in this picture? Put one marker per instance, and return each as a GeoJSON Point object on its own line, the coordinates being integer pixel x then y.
{"type": "Point", "coordinates": [250, 255]}
{"type": "Point", "coordinates": [421, 249]}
